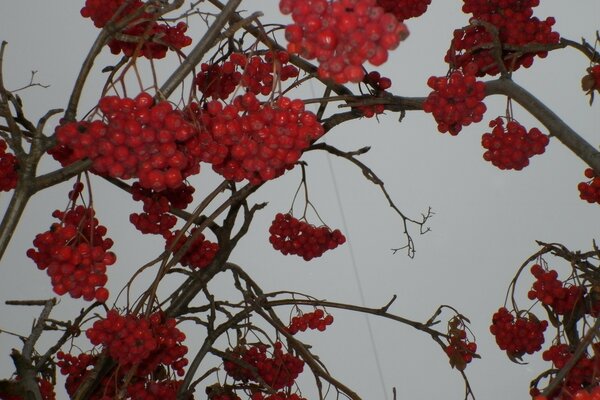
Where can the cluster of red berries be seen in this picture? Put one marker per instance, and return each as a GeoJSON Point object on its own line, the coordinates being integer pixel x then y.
{"type": "Point", "coordinates": [591, 81]}
{"type": "Point", "coordinates": [460, 350]}
{"type": "Point", "coordinates": [312, 320]}
{"type": "Point", "coordinates": [148, 38]}
{"type": "Point", "coordinates": [583, 394]}
{"type": "Point", "coordinates": [292, 236]}
{"type": "Point", "coordinates": [140, 139]}
{"type": "Point", "coordinates": [199, 255]}
{"type": "Point", "coordinates": [583, 375]}
{"type": "Point", "coordinates": [552, 293]}
{"type": "Point", "coordinates": [342, 35]}
{"type": "Point", "coordinates": [278, 371]}
{"type": "Point", "coordinates": [75, 254]}
{"type": "Point", "coordinates": [156, 218]}
{"type": "Point", "coordinates": [146, 341]}
{"type": "Point", "coordinates": [254, 141]}
{"type": "Point", "coordinates": [511, 146]}
{"type": "Point", "coordinates": [518, 336]}
{"type": "Point", "coordinates": [456, 100]}
{"type": "Point", "coordinates": [257, 75]}
{"type": "Point", "coordinates": [404, 9]}
{"type": "Point", "coordinates": [376, 84]}
{"type": "Point", "coordinates": [8, 169]}
{"type": "Point", "coordinates": [516, 27]}
{"type": "Point", "coordinates": [590, 190]}
{"type": "Point", "coordinates": [46, 390]}
{"type": "Point", "coordinates": [75, 368]}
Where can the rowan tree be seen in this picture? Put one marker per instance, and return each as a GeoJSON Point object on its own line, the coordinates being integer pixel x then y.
{"type": "Point", "coordinates": [196, 147]}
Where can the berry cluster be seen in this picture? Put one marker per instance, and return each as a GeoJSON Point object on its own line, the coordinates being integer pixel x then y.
{"type": "Point", "coordinates": [75, 368]}
{"type": "Point", "coordinates": [583, 394]}
{"type": "Point", "coordinates": [278, 371]}
{"type": "Point", "coordinates": [312, 320]}
{"type": "Point", "coordinates": [590, 190]}
{"type": "Point", "coordinates": [511, 146]}
{"type": "Point", "coordinates": [456, 101]}
{"type": "Point", "coordinates": [520, 336]}
{"type": "Point", "coordinates": [551, 292]}
{"type": "Point", "coordinates": [74, 254]}
{"type": "Point", "coordinates": [292, 236]}
{"type": "Point", "coordinates": [147, 38]}
{"type": "Point", "coordinates": [146, 341]}
{"type": "Point", "coordinates": [404, 9]}
{"type": "Point", "coordinates": [140, 139]}
{"type": "Point", "coordinates": [156, 218]}
{"type": "Point", "coordinates": [342, 35]}
{"type": "Point", "coordinates": [199, 255]}
{"type": "Point", "coordinates": [459, 350]}
{"type": "Point", "coordinates": [254, 141]}
{"type": "Point", "coordinates": [591, 81]}
{"type": "Point", "coordinates": [516, 27]}
{"type": "Point", "coordinates": [8, 169]}
{"type": "Point", "coordinates": [376, 85]}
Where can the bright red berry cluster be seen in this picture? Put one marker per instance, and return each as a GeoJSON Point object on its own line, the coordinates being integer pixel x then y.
{"type": "Point", "coordinates": [516, 26]}
{"type": "Point", "coordinates": [342, 35]}
{"type": "Point", "coordinates": [511, 146]}
{"type": "Point", "coordinates": [456, 101]}
{"type": "Point", "coordinates": [155, 38]}
{"type": "Point", "coordinates": [139, 139]}
{"type": "Point", "coordinates": [460, 350]}
{"type": "Point", "coordinates": [583, 394]}
{"type": "Point", "coordinates": [156, 218]}
{"type": "Point", "coordinates": [404, 9]}
{"type": "Point", "coordinates": [292, 236]}
{"type": "Point", "coordinates": [517, 336]}
{"type": "Point", "coordinates": [312, 320]}
{"type": "Point", "coordinates": [199, 255]}
{"type": "Point", "coordinates": [552, 293]}
{"type": "Point", "coordinates": [590, 190]}
{"type": "Point", "coordinates": [278, 371]}
{"type": "Point", "coordinates": [146, 341]}
{"type": "Point", "coordinates": [8, 169]}
{"type": "Point", "coordinates": [254, 141]}
{"type": "Point", "coordinates": [75, 254]}
{"type": "Point", "coordinates": [591, 81]}
{"type": "Point", "coordinates": [75, 368]}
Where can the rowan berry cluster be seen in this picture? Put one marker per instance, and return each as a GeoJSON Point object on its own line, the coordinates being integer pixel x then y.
{"type": "Point", "coordinates": [590, 190]}
{"type": "Point", "coordinates": [75, 368]}
{"type": "Point", "coordinates": [292, 236]}
{"type": "Point", "coordinates": [511, 146]}
{"type": "Point", "coordinates": [278, 371]}
{"type": "Point", "coordinates": [404, 9]}
{"type": "Point", "coordinates": [8, 169]}
{"type": "Point", "coordinates": [139, 139]}
{"type": "Point", "coordinates": [516, 27]}
{"type": "Point", "coordinates": [552, 293]}
{"type": "Point", "coordinates": [199, 255]}
{"type": "Point", "coordinates": [591, 81]}
{"type": "Point", "coordinates": [254, 141]}
{"type": "Point", "coordinates": [144, 341]}
{"type": "Point", "coordinates": [146, 37]}
{"type": "Point", "coordinates": [460, 350]}
{"type": "Point", "coordinates": [156, 218]}
{"type": "Point", "coordinates": [312, 320]}
{"type": "Point", "coordinates": [518, 336]}
{"type": "Point", "coordinates": [75, 254]}
{"type": "Point", "coordinates": [342, 35]}
{"type": "Point", "coordinates": [456, 101]}
{"type": "Point", "coordinates": [376, 84]}
{"type": "Point", "coordinates": [583, 394]}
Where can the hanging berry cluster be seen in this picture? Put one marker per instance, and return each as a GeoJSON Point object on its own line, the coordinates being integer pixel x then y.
{"type": "Point", "coordinates": [199, 255]}
{"type": "Point", "coordinates": [312, 320]}
{"type": "Point", "coordinates": [404, 9]}
{"type": "Point", "coordinates": [518, 335]}
{"type": "Point", "coordinates": [552, 293]}
{"type": "Point", "coordinates": [254, 141]}
{"type": "Point", "coordinates": [150, 38]}
{"type": "Point", "coordinates": [456, 100]}
{"type": "Point", "coordinates": [342, 35]}
{"type": "Point", "coordinates": [292, 236]}
{"type": "Point", "coordinates": [512, 146]}
{"type": "Point", "coordinates": [278, 371]}
{"type": "Point", "coordinates": [140, 139]}
{"type": "Point", "coordinates": [590, 190]}
{"type": "Point", "coordinates": [75, 254]}
{"type": "Point", "coordinates": [591, 81]}
{"type": "Point", "coordinates": [460, 350]}
{"type": "Point", "coordinates": [8, 169]}
{"type": "Point", "coordinates": [516, 26]}
{"type": "Point", "coordinates": [376, 84]}
{"type": "Point", "coordinates": [593, 393]}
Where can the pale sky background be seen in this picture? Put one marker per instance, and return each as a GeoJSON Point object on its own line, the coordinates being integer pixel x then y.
{"type": "Point", "coordinates": [485, 225]}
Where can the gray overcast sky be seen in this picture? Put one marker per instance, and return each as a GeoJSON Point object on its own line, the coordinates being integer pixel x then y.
{"type": "Point", "coordinates": [485, 225]}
